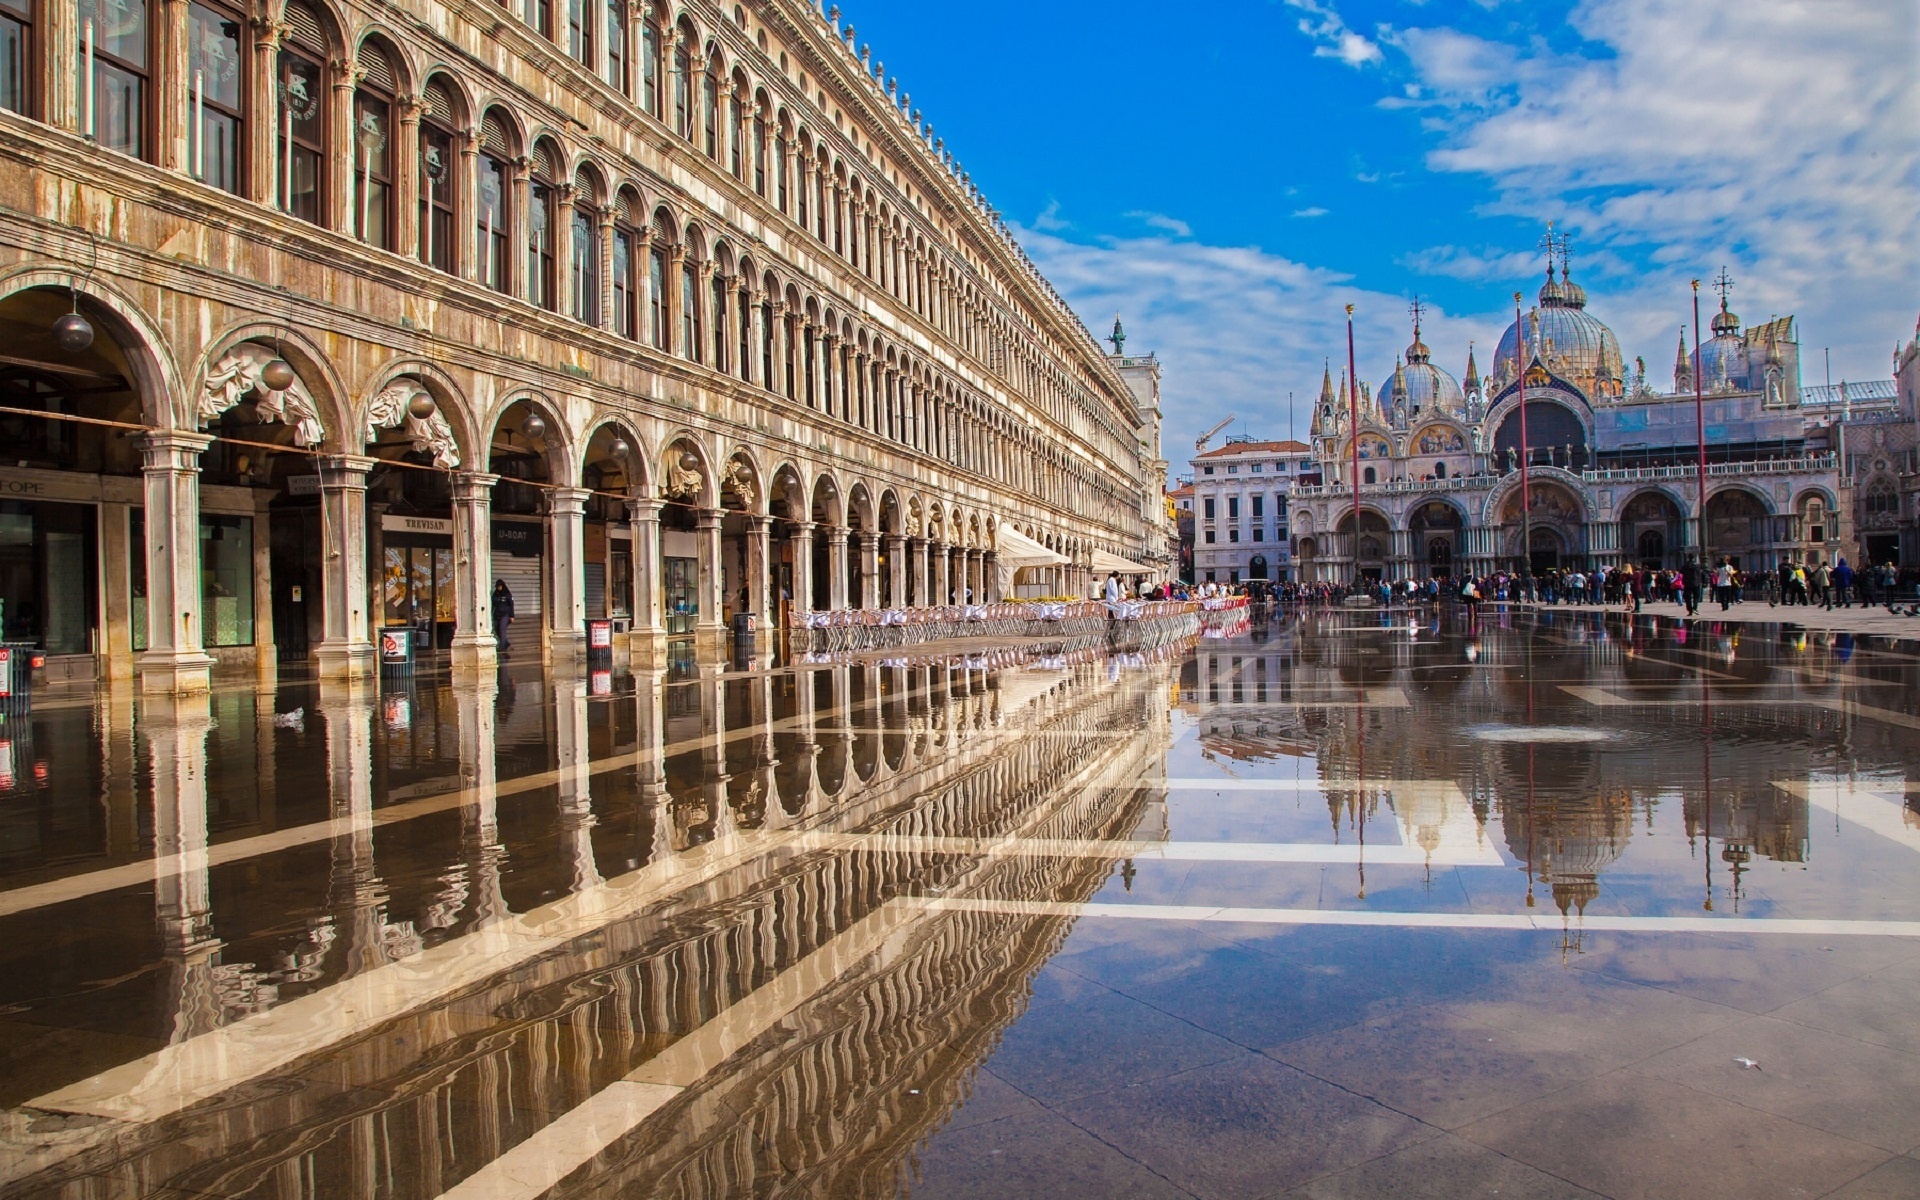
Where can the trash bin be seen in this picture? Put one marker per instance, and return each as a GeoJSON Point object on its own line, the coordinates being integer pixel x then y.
{"type": "Point", "coordinates": [17, 663]}
{"type": "Point", "coordinates": [599, 639]}
{"type": "Point", "coordinates": [396, 648]}
{"type": "Point", "coordinates": [744, 625]}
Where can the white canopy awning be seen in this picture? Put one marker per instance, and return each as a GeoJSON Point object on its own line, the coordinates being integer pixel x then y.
{"type": "Point", "coordinates": [1104, 563]}
{"type": "Point", "coordinates": [1014, 552]}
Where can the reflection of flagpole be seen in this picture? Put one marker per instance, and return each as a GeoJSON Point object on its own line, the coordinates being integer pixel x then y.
{"type": "Point", "coordinates": [1700, 419]}
{"type": "Point", "coordinates": [1353, 440]}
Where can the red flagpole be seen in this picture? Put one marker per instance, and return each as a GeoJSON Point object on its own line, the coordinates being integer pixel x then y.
{"type": "Point", "coordinates": [1700, 421]}
{"type": "Point", "coordinates": [1526, 493]}
{"type": "Point", "coordinates": [1353, 404]}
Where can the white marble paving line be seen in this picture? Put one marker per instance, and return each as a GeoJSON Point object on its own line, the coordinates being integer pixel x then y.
{"type": "Point", "coordinates": [1483, 855]}
{"type": "Point", "coordinates": [1865, 805]}
{"type": "Point", "coordinates": [1602, 698]}
{"type": "Point", "coordinates": [1425, 920]}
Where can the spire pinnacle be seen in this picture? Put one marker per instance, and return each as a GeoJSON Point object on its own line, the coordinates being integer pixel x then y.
{"type": "Point", "coordinates": [1118, 337]}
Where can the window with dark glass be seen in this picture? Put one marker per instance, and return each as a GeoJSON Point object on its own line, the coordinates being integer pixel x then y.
{"type": "Point", "coordinates": [650, 67]}
{"type": "Point", "coordinates": [436, 191]}
{"type": "Point", "coordinates": [691, 335]}
{"type": "Point", "coordinates": [766, 345]}
{"type": "Point", "coordinates": [719, 321]}
{"type": "Point", "coordinates": [738, 154]}
{"type": "Point", "coordinates": [540, 239]}
{"type": "Point", "coordinates": [657, 297]}
{"type": "Point", "coordinates": [16, 56]}
{"type": "Point", "coordinates": [116, 36]}
{"type": "Point", "coordinates": [373, 152]}
{"type": "Point", "coordinates": [683, 90]}
{"type": "Point", "coordinates": [216, 82]}
{"type": "Point", "coordinates": [780, 173]}
{"type": "Point", "coordinates": [540, 16]}
{"type": "Point", "coordinates": [759, 153]}
{"type": "Point", "coordinates": [303, 117]}
{"type": "Point", "coordinates": [617, 47]}
{"type": "Point", "coordinates": [805, 189]}
{"type": "Point", "coordinates": [710, 112]}
{"type": "Point", "coordinates": [492, 222]}
{"type": "Point", "coordinates": [746, 333]}
{"type": "Point", "coordinates": [585, 247]}
{"type": "Point", "coordinates": [626, 289]}
{"type": "Point", "coordinates": [580, 31]}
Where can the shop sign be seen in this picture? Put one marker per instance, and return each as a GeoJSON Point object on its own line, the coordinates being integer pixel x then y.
{"type": "Point", "coordinates": [21, 487]}
{"type": "Point", "coordinates": [303, 485]}
{"type": "Point", "coordinates": [433, 525]}
{"type": "Point", "coordinates": [519, 538]}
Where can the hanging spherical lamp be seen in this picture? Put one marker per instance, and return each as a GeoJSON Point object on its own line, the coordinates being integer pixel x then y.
{"type": "Point", "coordinates": [618, 448]}
{"type": "Point", "coordinates": [277, 375]}
{"type": "Point", "coordinates": [421, 407]}
{"type": "Point", "coordinates": [689, 461]}
{"type": "Point", "coordinates": [72, 332]}
{"type": "Point", "coordinates": [534, 425]}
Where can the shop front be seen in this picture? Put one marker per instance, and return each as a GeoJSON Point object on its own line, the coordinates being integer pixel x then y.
{"type": "Point", "coordinates": [417, 578]}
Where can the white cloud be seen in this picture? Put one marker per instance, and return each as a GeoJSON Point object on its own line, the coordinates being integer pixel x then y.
{"type": "Point", "coordinates": [1237, 328]}
{"type": "Point", "coordinates": [1050, 219]}
{"type": "Point", "coordinates": [1333, 38]}
{"type": "Point", "coordinates": [1777, 138]}
{"type": "Point", "coordinates": [1309, 213]}
{"type": "Point", "coordinates": [1162, 222]}
{"type": "Point", "coordinates": [1478, 265]}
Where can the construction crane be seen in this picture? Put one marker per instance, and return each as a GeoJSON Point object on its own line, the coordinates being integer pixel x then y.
{"type": "Point", "coordinates": [1200, 444]}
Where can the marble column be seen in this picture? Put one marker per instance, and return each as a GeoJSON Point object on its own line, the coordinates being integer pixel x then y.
{"type": "Point", "coordinates": [474, 646]}
{"type": "Point", "coordinates": [896, 571]}
{"type": "Point", "coordinates": [836, 567]}
{"type": "Point", "coordinates": [647, 640]}
{"type": "Point", "coordinates": [346, 640]}
{"type": "Point", "coordinates": [566, 538]}
{"type": "Point", "coordinates": [758, 581]}
{"type": "Point", "coordinates": [174, 660]}
{"type": "Point", "coordinates": [707, 627]}
{"type": "Point", "coordinates": [989, 578]}
{"type": "Point", "coordinates": [942, 573]}
{"type": "Point", "coordinates": [869, 569]}
{"type": "Point", "coordinates": [802, 550]}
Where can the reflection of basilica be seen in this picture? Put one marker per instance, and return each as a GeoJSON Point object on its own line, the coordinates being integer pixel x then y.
{"type": "Point", "coordinates": [1612, 462]}
{"type": "Point", "coordinates": [714, 843]}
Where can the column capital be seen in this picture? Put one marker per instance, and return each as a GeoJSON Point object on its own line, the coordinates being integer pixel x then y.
{"type": "Point", "coordinates": [568, 499]}
{"type": "Point", "coordinates": [802, 529]}
{"type": "Point", "coordinates": [757, 522]}
{"type": "Point", "coordinates": [345, 470]}
{"type": "Point", "coordinates": [174, 448]}
{"type": "Point", "coordinates": [837, 535]}
{"type": "Point", "coordinates": [644, 508]}
{"type": "Point", "coordinates": [473, 485]}
{"type": "Point", "coordinates": [708, 518]}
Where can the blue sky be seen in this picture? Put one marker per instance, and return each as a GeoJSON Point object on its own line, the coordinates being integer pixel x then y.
{"type": "Point", "coordinates": [1228, 174]}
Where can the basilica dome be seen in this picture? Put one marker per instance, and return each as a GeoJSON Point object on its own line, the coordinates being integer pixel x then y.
{"type": "Point", "coordinates": [1722, 362]}
{"type": "Point", "coordinates": [1427, 390]}
{"type": "Point", "coordinates": [1573, 343]}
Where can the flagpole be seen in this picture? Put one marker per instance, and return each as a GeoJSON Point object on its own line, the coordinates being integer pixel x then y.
{"type": "Point", "coordinates": [1353, 403]}
{"type": "Point", "coordinates": [1526, 493]}
{"type": "Point", "coordinates": [1700, 422]}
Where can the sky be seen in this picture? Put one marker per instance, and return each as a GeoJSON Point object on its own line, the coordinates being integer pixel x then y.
{"type": "Point", "coordinates": [1227, 175]}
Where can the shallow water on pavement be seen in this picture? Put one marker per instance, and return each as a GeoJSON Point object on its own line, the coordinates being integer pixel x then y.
{"type": "Point", "coordinates": [1340, 905]}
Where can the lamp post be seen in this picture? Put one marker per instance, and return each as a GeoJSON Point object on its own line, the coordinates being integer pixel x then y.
{"type": "Point", "coordinates": [1353, 441]}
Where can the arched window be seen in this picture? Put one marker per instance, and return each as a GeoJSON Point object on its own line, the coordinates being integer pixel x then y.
{"type": "Point", "coordinates": [373, 150]}
{"type": "Point", "coordinates": [584, 245]}
{"type": "Point", "coordinates": [807, 359]}
{"type": "Point", "coordinates": [216, 86]}
{"type": "Point", "coordinates": [839, 220]}
{"type": "Point", "coordinates": [17, 56]}
{"type": "Point", "coordinates": [737, 135]}
{"type": "Point", "coordinates": [437, 243]}
{"type": "Point", "coordinates": [580, 31]}
{"type": "Point", "coordinates": [661, 335]}
{"type": "Point", "coordinates": [617, 47]}
{"type": "Point", "coordinates": [692, 331]}
{"type": "Point", "coordinates": [542, 222]}
{"type": "Point", "coordinates": [760, 152]}
{"type": "Point", "coordinates": [745, 362]}
{"type": "Point", "coordinates": [710, 107]}
{"type": "Point", "coordinates": [650, 67]}
{"type": "Point", "coordinates": [780, 172]}
{"type": "Point", "coordinates": [303, 115]}
{"type": "Point", "coordinates": [767, 376]}
{"type": "Point", "coordinates": [804, 165]}
{"type": "Point", "coordinates": [1367, 476]}
{"type": "Point", "coordinates": [719, 321]}
{"type": "Point", "coordinates": [626, 281]}
{"type": "Point", "coordinates": [1881, 500]}
{"type": "Point", "coordinates": [1440, 470]}
{"type": "Point", "coordinates": [117, 38]}
{"type": "Point", "coordinates": [495, 216]}
{"type": "Point", "coordinates": [683, 88]}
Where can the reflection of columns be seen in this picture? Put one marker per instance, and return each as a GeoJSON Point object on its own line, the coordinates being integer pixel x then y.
{"type": "Point", "coordinates": [801, 546]}
{"type": "Point", "coordinates": [942, 573]}
{"type": "Point", "coordinates": [896, 571]}
{"type": "Point", "coordinates": [869, 569]}
{"type": "Point", "coordinates": [480, 846]}
{"type": "Point", "coordinates": [174, 661]}
{"type": "Point", "coordinates": [575, 776]}
{"type": "Point", "coordinates": [647, 641]}
{"type": "Point", "coordinates": [358, 897]}
{"type": "Point", "coordinates": [473, 641]}
{"type": "Point", "coordinates": [713, 748]}
{"type": "Point", "coordinates": [707, 540]}
{"type": "Point", "coordinates": [650, 724]}
{"type": "Point", "coordinates": [346, 645]}
{"type": "Point", "coordinates": [566, 532]}
{"type": "Point", "coordinates": [836, 567]}
{"type": "Point", "coordinates": [176, 735]}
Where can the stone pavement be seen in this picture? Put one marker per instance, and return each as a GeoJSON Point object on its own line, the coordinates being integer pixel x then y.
{"type": "Point", "coordinates": [1858, 619]}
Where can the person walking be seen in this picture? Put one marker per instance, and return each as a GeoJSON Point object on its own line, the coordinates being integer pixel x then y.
{"type": "Point", "coordinates": [1692, 579]}
{"type": "Point", "coordinates": [1723, 584]}
{"type": "Point", "coordinates": [502, 612]}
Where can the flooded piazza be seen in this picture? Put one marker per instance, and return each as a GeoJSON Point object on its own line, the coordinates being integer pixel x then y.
{"type": "Point", "coordinates": [1336, 904]}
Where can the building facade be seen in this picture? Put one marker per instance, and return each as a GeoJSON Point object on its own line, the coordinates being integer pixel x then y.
{"type": "Point", "coordinates": [1612, 463]}
{"type": "Point", "coordinates": [1239, 503]}
{"type": "Point", "coordinates": [326, 316]}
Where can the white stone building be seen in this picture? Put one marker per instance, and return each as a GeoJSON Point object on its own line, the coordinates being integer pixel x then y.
{"type": "Point", "coordinates": [1240, 507]}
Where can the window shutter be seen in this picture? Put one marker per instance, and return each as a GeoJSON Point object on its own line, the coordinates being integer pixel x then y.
{"type": "Point", "coordinates": [494, 139]}
{"type": "Point", "coordinates": [305, 29]}
{"type": "Point", "coordinates": [378, 69]}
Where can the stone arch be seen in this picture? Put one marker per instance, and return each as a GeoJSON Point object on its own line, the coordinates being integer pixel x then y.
{"type": "Point", "coordinates": [692, 482]}
{"type": "Point", "coordinates": [228, 373]}
{"type": "Point", "coordinates": [741, 481]}
{"type": "Point", "coordinates": [394, 49]}
{"type": "Point", "coordinates": [826, 498]}
{"type": "Point", "coordinates": [861, 510]}
{"type": "Point", "coordinates": [456, 90]}
{"type": "Point", "coordinates": [788, 490]}
{"type": "Point", "coordinates": [164, 401]}
{"type": "Point", "coordinates": [598, 441]}
{"type": "Point", "coordinates": [451, 405]}
{"type": "Point", "coordinates": [512, 129]}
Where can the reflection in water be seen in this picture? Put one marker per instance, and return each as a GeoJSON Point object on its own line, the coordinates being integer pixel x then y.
{"type": "Point", "coordinates": [786, 904]}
